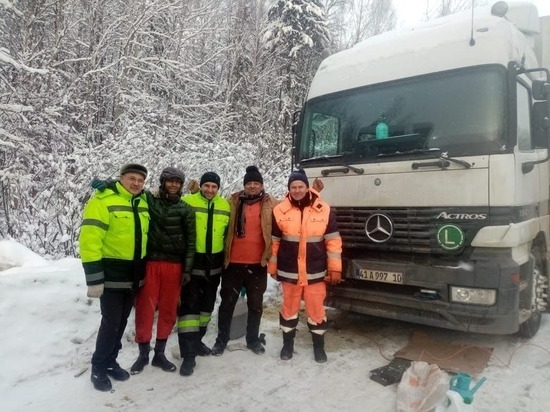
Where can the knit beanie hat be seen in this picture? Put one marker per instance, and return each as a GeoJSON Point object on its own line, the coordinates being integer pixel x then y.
{"type": "Point", "coordinates": [171, 173]}
{"type": "Point", "coordinates": [133, 168]}
{"type": "Point", "coordinates": [252, 175]}
{"type": "Point", "coordinates": [298, 175]}
{"type": "Point", "coordinates": [210, 177]}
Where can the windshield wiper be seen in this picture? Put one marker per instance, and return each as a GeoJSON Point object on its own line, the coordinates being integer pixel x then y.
{"type": "Point", "coordinates": [444, 158]}
{"type": "Point", "coordinates": [329, 158]}
{"type": "Point", "coordinates": [345, 169]}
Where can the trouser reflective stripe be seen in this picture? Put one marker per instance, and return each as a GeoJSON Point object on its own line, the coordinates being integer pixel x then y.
{"type": "Point", "coordinates": [288, 325]}
{"type": "Point", "coordinates": [317, 328]}
{"type": "Point", "coordinates": [188, 323]}
{"type": "Point", "coordinates": [204, 318]}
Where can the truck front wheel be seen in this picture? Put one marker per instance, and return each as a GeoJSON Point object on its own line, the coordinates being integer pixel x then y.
{"type": "Point", "coordinates": [537, 291]}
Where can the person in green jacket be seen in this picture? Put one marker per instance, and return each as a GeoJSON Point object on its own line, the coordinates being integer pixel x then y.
{"type": "Point", "coordinates": [113, 243]}
{"type": "Point", "coordinates": [170, 253]}
{"type": "Point", "coordinates": [199, 295]}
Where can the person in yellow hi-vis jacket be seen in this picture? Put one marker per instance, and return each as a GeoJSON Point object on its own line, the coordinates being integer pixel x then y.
{"type": "Point", "coordinates": [113, 244]}
{"type": "Point", "coordinates": [198, 296]}
{"type": "Point", "coordinates": [306, 252]}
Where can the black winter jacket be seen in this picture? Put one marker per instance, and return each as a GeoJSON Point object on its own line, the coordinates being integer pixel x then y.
{"type": "Point", "coordinates": [171, 231]}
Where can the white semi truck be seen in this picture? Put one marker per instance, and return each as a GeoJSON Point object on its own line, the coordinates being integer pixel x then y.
{"type": "Point", "coordinates": [433, 145]}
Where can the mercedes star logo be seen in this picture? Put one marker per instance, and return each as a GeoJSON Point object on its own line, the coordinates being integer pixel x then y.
{"type": "Point", "coordinates": [379, 228]}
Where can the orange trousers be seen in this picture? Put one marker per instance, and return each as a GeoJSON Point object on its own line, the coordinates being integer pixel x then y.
{"type": "Point", "coordinates": [313, 297]}
{"type": "Point", "coordinates": [161, 291]}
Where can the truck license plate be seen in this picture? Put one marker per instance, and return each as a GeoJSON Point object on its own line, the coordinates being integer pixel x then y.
{"type": "Point", "coordinates": [380, 276]}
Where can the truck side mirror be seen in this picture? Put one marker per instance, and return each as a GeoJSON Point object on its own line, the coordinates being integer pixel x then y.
{"type": "Point", "coordinates": [538, 89]}
{"type": "Point", "coordinates": [541, 125]}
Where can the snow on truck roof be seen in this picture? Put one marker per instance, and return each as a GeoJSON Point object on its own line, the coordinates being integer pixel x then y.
{"type": "Point", "coordinates": [433, 46]}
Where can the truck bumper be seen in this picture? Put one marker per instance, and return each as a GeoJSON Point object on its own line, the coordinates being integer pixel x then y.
{"type": "Point", "coordinates": [488, 269]}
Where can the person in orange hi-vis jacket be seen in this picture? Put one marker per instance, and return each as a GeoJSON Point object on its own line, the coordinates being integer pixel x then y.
{"type": "Point", "coordinates": [305, 255]}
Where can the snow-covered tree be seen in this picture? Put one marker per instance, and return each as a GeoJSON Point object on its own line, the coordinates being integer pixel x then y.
{"type": "Point", "coordinates": [298, 37]}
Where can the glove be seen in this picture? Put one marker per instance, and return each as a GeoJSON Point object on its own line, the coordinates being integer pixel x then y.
{"type": "Point", "coordinates": [95, 291]}
{"type": "Point", "coordinates": [318, 184]}
{"type": "Point", "coordinates": [333, 278]}
{"type": "Point", "coordinates": [193, 186]}
{"type": "Point", "coordinates": [101, 185]}
{"type": "Point", "coordinates": [185, 278]}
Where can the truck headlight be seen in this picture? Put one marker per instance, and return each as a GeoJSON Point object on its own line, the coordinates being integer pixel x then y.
{"type": "Point", "coordinates": [473, 296]}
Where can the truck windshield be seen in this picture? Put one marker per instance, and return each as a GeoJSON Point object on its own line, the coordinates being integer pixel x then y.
{"type": "Point", "coordinates": [459, 112]}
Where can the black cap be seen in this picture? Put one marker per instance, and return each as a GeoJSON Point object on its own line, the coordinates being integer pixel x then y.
{"type": "Point", "coordinates": [298, 175]}
{"type": "Point", "coordinates": [252, 175]}
{"type": "Point", "coordinates": [210, 177]}
{"type": "Point", "coordinates": [134, 168]}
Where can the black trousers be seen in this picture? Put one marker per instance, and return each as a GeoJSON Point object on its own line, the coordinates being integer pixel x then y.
{"type": "Point", "coordinates": [198, 298]}
{"type": "Point", "coordinates": [115, 309]}
{"type": "Point", "coordinates": [235, 277]}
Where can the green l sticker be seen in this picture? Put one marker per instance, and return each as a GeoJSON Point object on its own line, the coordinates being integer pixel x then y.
{"type": "Point", "coordinates": [450, 237]}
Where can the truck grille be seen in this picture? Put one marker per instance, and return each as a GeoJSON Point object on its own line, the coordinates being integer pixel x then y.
{"type": "Point", "coordinates": [415, 229]}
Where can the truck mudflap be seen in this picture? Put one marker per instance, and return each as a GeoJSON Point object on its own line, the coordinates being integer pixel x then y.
{"type": "Point", "coordinates": [421, 293]}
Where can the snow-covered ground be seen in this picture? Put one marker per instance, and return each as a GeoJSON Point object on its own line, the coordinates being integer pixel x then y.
{"type": "Point", "coordinates": [48, 328]}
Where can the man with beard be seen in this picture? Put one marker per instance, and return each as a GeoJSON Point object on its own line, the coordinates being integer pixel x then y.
{"type": "Point", "coordinates": [170, 252]}
{"type": "Point", "coordinates": [247, 251]}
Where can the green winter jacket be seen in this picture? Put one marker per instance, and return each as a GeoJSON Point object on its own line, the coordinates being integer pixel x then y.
{"type": "Point", "coordinates": [171, 232]}
{"type": "Point", "coordinates": [209, 255]}
{"type": "Point", "coordinates": [113, 238]}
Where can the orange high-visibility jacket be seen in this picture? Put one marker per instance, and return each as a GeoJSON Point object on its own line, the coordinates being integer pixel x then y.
{"type": "Point", "coordinates": [305, 243]}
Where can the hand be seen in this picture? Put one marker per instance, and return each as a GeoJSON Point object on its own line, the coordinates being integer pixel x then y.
{"type": "Point", "coordinates": [99, 184]}
{"type": "Point", "coordinates": [185, 278]}
{"type": "Point", "coordinates": [333, 278]}
{"type": "Point", "coordinates": [193, 186]}
{"type": "Point", "coordinates": [318, 184]}
{"type": "Point", "coordinates": [274, 276]}
{"type": "Point", "coordinates": [95, 291]}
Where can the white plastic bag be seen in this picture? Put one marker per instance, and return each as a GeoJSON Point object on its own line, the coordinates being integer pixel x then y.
{"type": "Point", "coordinates": [422, 388]}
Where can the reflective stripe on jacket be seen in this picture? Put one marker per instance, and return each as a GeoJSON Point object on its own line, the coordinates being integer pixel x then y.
{"type": "Point", "coordinates": [111, 250]}
{"type": "Point", "coordinates": [305, 244]}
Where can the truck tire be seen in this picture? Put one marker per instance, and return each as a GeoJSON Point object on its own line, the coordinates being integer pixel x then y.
{"type": "Point", "coordinates": [537, 290]}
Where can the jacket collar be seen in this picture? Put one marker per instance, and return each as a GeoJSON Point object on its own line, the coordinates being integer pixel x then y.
{"type": "Point", "coordinates": [316, 206]}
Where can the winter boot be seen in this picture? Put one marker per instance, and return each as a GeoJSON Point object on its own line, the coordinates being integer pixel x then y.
{"type": "Point", "coordinates": [288, 344]}
{"type": "Point", "coordinates": [256, 347]}
{"type": "Point", "coordinates": [218, 348]}
{"type": "Point", "coordinates": [159, 360]}
{"type": "Point", "coordinates": [117, 373]}
{"type": "Point", "coordinates": [100, 379]}
{"type": "Point", "coordinates": [142, 360]}
{"type": "Point", "coordinates": [187, 366]}
{"type": "Point", "coordinates": [319, 347]}
{"type": "Point", "coordinates": [203, 350]}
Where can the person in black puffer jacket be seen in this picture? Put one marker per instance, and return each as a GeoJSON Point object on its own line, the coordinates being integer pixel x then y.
{"type": "Point", "coordinates": [170, 253]}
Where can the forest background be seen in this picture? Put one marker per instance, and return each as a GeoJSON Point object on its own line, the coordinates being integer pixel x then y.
{"type": "Point", "coordinates": [88, 85]}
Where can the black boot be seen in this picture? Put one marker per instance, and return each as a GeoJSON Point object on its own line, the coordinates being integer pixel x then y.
{"type": "Point", "coordinates": [187, 366]}
{"type": "Point", "coordinates": [100, 379]}
{"type": "Point", "coordinates": [142, 360]}
{"type": "Point", "coordinates": [288, 344]}
{"type": "Point", "coordinates": [218, 348]}
{"type": "Point", "coordinates": [319, 347]}
{"type": "Point", "coordinates": [117, 373]}
{"type": "Point", "coordinates": [159, 360]}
